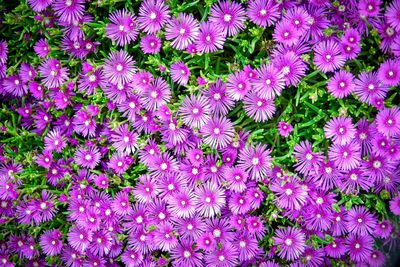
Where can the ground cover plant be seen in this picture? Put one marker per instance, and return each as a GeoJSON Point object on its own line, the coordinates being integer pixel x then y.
{"type": "Point", "coordinates": [199, 133]}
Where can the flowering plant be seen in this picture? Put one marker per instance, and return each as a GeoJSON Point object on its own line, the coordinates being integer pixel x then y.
{"type": "Point", "coordinates": [203, 133]}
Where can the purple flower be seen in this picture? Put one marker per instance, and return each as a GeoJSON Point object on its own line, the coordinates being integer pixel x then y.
{"type": "Point", "coordinates": [153, 14]}
{"type": "Point", "coordinates": [360, 221]}
{"type": "Point", "coordinates": [389, 72]}
{"type": "Point", "coordinates": [395, 205]}
{"type": "Point", "coordinates": [218, 132]}
{"type": "Point", "coordinates": [211, 38]}
{"type": "Point", "coordinates": [289, 195]}
{"type": "Point", "coordinates": [256, 161]}
{"type": "Point", "coordinates": [341, 84]}
{"type": "Point", "coordinates": [225, 256]}
{"type": "Point", "coordinates": [185, 255]}
{"type": "Point", "coordinates": [346, 157]}
{"type": "Point", "coordinates": [291, 66]}
{"type": "Point", "coordinates": [87, 158]}
{"type": "Point", "coordinates": [238, 85]}
{"type": "Point", "coordinates": [392, 15]}
{"type": "Point", "coordinates": [388, 121]}
{"type": "Point", "coordinates": [340, 130]}
{"type": "Point", "coordinates": [180, 73]}
{"type": "Point", "coordinates": [229, 15]}
{"type": "Point", "coordinates": [53, 74]}
{"type": "Point", "coordinates": [50, 242]}
{"type": "Point", "coordinates": [119, 68]}
{"type": "Point", "coordinates": [359, 247]}
{"type": "Point", "coordinates": [209, 199]}
{"type": "Point", "coordinates": [69, 11]}
{"type": "Point", "coordinates": [79, 238]}
{"type": "Point", "coordinates": [150, 44]}
{"type": "Point", "coordinates": [259, 108]}
{"type": "Point", "coordinates": [291, 243]}
{"type": "Point", "coordinates": [270, 82]}
{"type": "Point", "coordinates": [368, 87]}
{"type": "Point", "coordinates": [183, 31]}
{"type": "Point", "coordinates": [284, 128]}
{"type": "Point", "coordinates": [158, 93]}
{"type": "Point", "coordinates": [219, 100]}
{"type": "Point", "coordinates": [327, 56]}
{"type": "Point", "coordinates": [164, 237]}
{"type": "Point", "coordinates": [122, 27]}
{"type": "Point", "coordinates": [124, 140]}
{"type": "Point", "coordinates": [286, 34]}
{"type": "Point", "coordinates": [39, 5]}
{"type": "Point", "coordinates": [195, 111]}
{"type": "Point", "coordinates": [263, 12]}
{"type": "Point", "coordinates": [236, 178]}
{"type": "Point", "coordinates": [55, 141]}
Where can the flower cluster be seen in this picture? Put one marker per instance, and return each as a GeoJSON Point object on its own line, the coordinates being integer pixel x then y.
{"type": "Point", "coordinates": [143, 148]}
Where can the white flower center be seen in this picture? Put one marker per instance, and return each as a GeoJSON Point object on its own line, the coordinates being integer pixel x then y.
{"type": "Point", "coordinates": [227, 17]}
{"type": "Point", "coordinates": [288, 242]}
{"type": "Point", "coordinates": [187, 254]}
{"type": "Point", "coordinates": [120, 67]}
{"type": "Point", "coordinates": [288, 191]}
{"type": "Point", "coordinates": [153, 15]}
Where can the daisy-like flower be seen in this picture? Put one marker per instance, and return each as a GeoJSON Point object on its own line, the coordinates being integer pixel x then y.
{"type": "Point", "coordinates": [354, 179]}
{"type": "Point", "coordinates": [119, 163]}
{"type": "Point", "coordinates": [156, 94]}
{"type": "Point", "coordinates": [286, 34]}
{"type": "Point", "coordinates": [284, 128]}
{"type": "Point", "coordinates": [247, 246]}
{"type": "Point", "coordinates": [119, 68]}
{"type": "Point", "coordinates": [150, 44]}
{"type": "Point", "coordinates": [395, 205]}
{"type": "Point", "coordinates": [392, 15]}
{"type": "Point", "coordinates": [263, 12]}
{"type": "Point", "coordinates": [327, 56]}
{"type": "Point", "coordinates": [185, 255]}
{"type": "Point", "coordinates": [153, 14]}
{"type": "Point", "coordinates": [389, 72]}
{"type": "Point", "coordinates": [39, 5]}
{"type": "Point", "coordinates": [256, 161]}
{"type": "Point", "coordinates": [131, 257]}
{"type": "Point", "coordinates": [388, 121]}
{"type": "Point", "coordinates": [183, 31]}
{"type": "Point", "coordinates": [219, 100]}
{"type": "Point", "coordinates": [383, 229]}
{"type": "Point", "coordinates": [289, 195]}
{"type": "Point", "coordinates": [53, 74]}
{"type": "Point", "coordinates": [238, 85]}
{"type": "Point", "coordinates": [291, 66]}
{"type": "Point", "coordinates": [41, 48]}
{"type": "Point", "coordinates": [336, 248]}
{"type": "Point", "coordinates": [182, 203]}
{"type": "Point", "coordinates": [218, 132]}
{"type": "Point", "coordinates": [195, 111]}
{"type": "Point", "coordinates": [236, 178]}
{"type": "Point", "coordinates": [307, 160]}
{"type": "Point", "coordinates": [180, 73]}
{"type": "Point", "coordinates": [290, 242]}
{"type": "Point", "coordinates": [225, 256]}
{"type": "Point", "coordinates": [340, 129]}
{"type": "Point", "coordinates": [359, 247]}
{"type": "Point", "coordinates": [211, 38]}
{"type": "Point", "coordinates": [79, 238]}
{"type": "Point", "coordinates": [50, 242]}
{"type": "Point", "coordinates": [345, 157]}
{"type": "Point", "coordinates": [270, 81]}
{"type": "Point", "coordinates": [360, 221]}
{"type": "Point", "coordinates": [69, 11]}
{"type": "Point", "coordinates": [164, 237]}
{"type": "Point", "coordinates": [229, 15]}
{"type": "Point", "coordinates": [87, 157]}
{"type": "Point", "coordinates": [124, 140]}
{"type": "Point", "coordinates": [14, 85]}
{"type": "Point", "coordinates": [122, 28]}
{"type": "Point", "coordinates": [368, 87]}
{"type": "Point", "coordinates": [55, 141]}
{"type": "Point", "coordinates": [341, 84]}
{"type": "Point", "coordinates": [258, 108]}
{"type": "Point", "coordinates": [90, 81]}
{"type": "Point", "coordinates": [209, 199]}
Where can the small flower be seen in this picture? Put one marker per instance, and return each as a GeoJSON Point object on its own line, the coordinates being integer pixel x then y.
{"type": "Point", "coordinates": [291, 243]}
{"type": "Point", "coordinates": [122, 27]}
{"type": "Point", "coordinates": [180, 73]}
